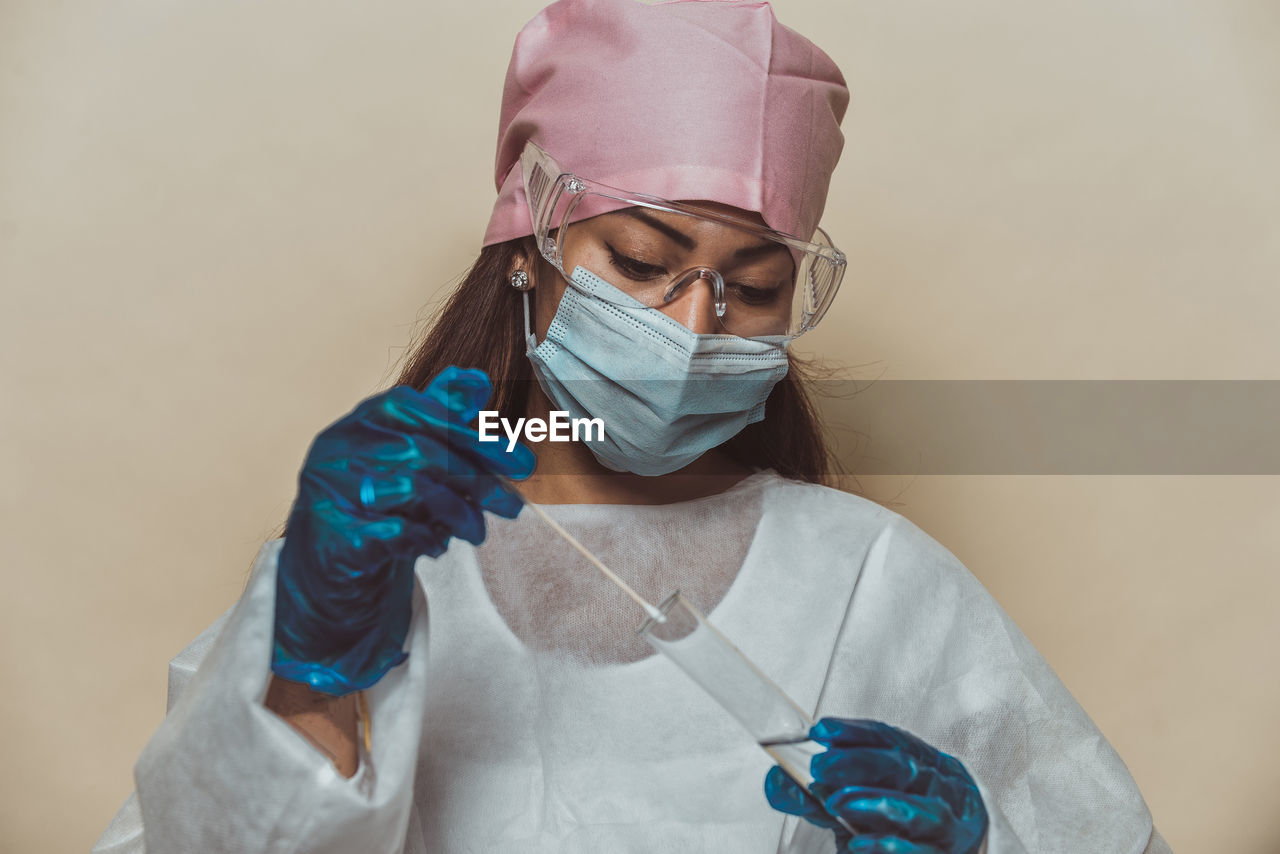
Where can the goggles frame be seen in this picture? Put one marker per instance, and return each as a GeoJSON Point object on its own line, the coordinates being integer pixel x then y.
{"type": "Point", "coordinates": [550, 188]}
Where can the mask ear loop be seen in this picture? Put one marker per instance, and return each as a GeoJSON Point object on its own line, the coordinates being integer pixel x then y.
{"type": "Point", "coordinates": [521, 282]}
{"type": "Point", "coordinates": [530, 340]}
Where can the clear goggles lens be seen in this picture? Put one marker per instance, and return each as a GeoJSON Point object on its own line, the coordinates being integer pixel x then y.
{"type": "Point", "coordinates": [757, 282]}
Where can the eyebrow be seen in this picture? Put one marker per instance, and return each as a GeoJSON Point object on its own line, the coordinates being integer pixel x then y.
{"type": "Point", "coordinates": [765, 248]}
{"type": "Point", "coordinates": [675, 234]}
{"type": "Point", "coordinates": [687, 242]}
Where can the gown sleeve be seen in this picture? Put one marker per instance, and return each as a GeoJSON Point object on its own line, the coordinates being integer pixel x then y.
{"type": "Point", "coordinates": [925, 647]}
{"type": "Point", "coordinates": [223, 773]}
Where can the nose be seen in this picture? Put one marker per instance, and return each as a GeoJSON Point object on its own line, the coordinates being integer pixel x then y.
{"type": "Point", "coordinates": [694, 306]}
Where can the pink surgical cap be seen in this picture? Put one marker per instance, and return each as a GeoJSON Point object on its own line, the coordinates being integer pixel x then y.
{"type": "Point", "coordinates": [692, 99]}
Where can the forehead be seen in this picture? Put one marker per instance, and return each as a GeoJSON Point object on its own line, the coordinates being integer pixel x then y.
{"type": "Point", "coordinates": [677, 224]}
{"type": "Point", "coordinates": [726, 210]}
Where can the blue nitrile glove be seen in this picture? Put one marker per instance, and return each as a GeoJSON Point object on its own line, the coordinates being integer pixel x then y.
{"type": "Point", "coordinates": [901, 795]}
{"type": "Point", "coordinates": [393, 479]}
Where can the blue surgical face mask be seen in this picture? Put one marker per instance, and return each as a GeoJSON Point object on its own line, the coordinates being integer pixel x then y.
{"type": "Point", "coordinates": [666, 394]}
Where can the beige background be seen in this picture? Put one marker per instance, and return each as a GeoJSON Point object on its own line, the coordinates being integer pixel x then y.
{"type": "Point", "coordinates": [219, 221]}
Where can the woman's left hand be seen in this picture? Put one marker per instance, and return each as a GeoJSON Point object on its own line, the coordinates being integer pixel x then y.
{"type": "Point", "coordinates": [900, 795]}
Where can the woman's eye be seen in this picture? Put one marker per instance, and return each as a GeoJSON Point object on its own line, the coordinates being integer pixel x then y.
{"type": "Point", "coordinates": [753, 296]}
{"type": "Point", "coordinates": [632, 267]}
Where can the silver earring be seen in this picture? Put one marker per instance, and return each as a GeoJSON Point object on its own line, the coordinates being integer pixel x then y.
{"type": "Point", "coordinates": [520, 281]}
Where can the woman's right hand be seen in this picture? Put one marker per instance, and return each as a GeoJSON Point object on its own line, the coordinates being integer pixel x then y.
{"type": "Point", "coordinates": [393, 479]}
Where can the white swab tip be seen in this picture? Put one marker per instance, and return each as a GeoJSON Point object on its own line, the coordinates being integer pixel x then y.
{"type": "Point", "coordinates": [654, 614]}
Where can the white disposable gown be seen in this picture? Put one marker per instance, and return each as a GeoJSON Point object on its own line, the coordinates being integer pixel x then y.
{"type": "Point", "coordinates": [529, 719]}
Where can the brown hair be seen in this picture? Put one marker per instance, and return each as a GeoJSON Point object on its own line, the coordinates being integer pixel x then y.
{"type": "Point", "coordinates": [480, 325]}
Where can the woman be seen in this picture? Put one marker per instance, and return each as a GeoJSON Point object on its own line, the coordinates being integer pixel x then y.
{"type": "Point", "coordinates": [653, 250]}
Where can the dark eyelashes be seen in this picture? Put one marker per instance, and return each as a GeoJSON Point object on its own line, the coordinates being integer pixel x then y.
{"type": "Point", "coordinates": [639, 270]}
{"type": "Point", "coordinates": [631, 266]}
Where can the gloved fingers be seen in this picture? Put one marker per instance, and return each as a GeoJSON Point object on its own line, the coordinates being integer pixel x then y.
{"type": "Point", "coordinates": [452, 399]}
{"type": "Point", "coordinates": [388, 449]}
{"type": "Point", "coordinates": [444, 410]}
{"type": "Point", "coordinates": [403, 427]}
{"type": "Point", "coordinates": [404, 409]}
{"type": "Point", "coordinates": [914, 817]}
{"type": "Point", "coordinates": [357, 441]}
{"type": "Point", "coordinates": [860, 732]}
{"type": "Point", "coordinates": [449, 404]}
{"type": "Point", "coordinates": [456, 452]}
{"type": "Point", "coordinates": [786, 795]}
{"type": "Point", "coordinates": [476, 489]}
{"type": "Point", "coordinates": [349, 498]}
{"type": "Point", "coordinates": [879, 844]}
{"type": "Point", "coordinates": [501, 501]}
{"type": "Point", "coordinates": [873, 767]}
{"type": "Point", "coordinates": [419, 498]}
{"type": "Point", "coordinates": [378, 493]}
{"type": "Point", "coordinates": [853, 733]}
{"type": "Point", "coordinates": [441, 509]}
{"type": "Point", "coordinates": [960, 792]}
{"type": "Point", "coordinates": [953, 769]}
{"type": "Point", "coordinates": [379, 517]}
{"type": "Point", "coordinates": [332, 500]}
{"type": "Point", "coordinates": [494, 457]}
{"type": "Point", "coordinates": [426, 539]}
{"type": "Point", "coordinates": [369, 482]}
{"type": "Point", "coordinates": [462, 391]}
{"type": "Point", "coordinates": [471, 480]}
{"type": "Point", "coordinates": [969, 805]}
{"type": "Point", "coordinates": [882, 768]}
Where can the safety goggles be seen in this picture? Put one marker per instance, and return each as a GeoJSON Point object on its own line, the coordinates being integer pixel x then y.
{"type": "Point", "coordinates": [763, 283]}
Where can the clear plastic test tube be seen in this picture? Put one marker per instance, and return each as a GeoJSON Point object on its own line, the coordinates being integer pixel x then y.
{"type": "Point", "coordinates": [773, 719]}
